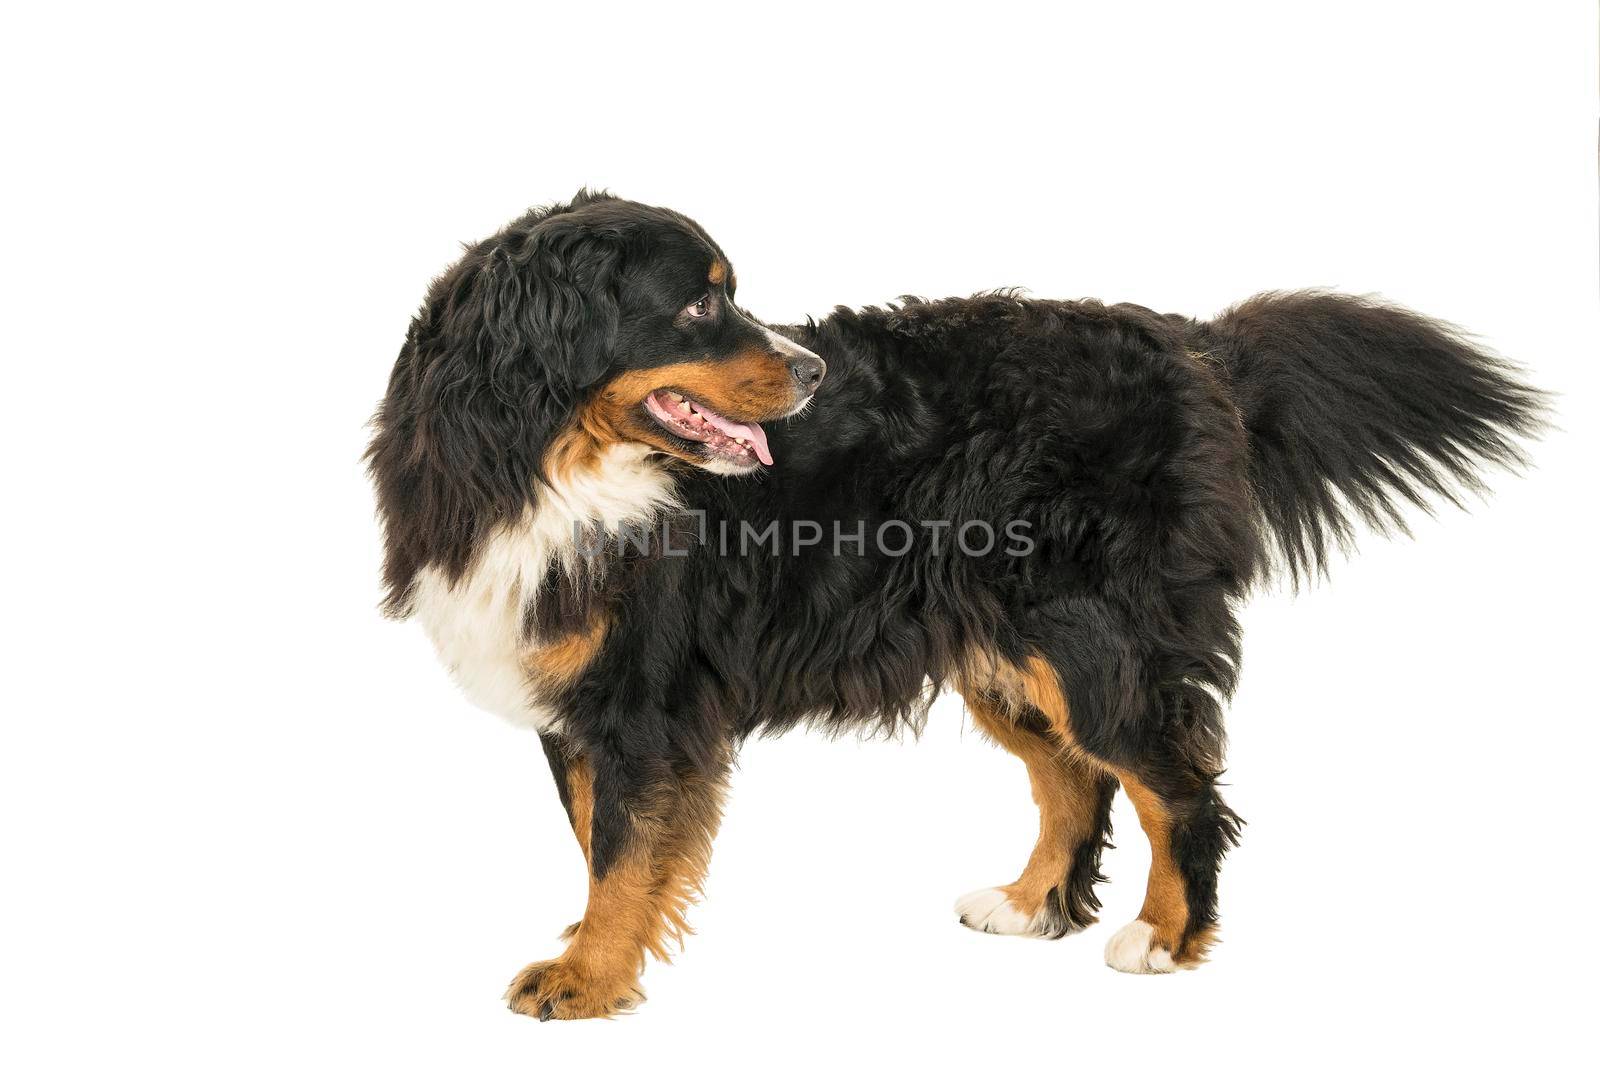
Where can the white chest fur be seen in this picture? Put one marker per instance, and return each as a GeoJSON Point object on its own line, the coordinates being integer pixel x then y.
{"type": "Point", "coordinates": [476, 622]}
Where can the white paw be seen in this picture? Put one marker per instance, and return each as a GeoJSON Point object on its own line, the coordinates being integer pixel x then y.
{"type": "Point", "coordinates": [991, 911]}
{"type": "Point", "coordinates": [1129, 951]}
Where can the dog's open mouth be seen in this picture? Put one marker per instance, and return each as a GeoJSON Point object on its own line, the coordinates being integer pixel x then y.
{"type": "Point", "coordinates": [742, 443]}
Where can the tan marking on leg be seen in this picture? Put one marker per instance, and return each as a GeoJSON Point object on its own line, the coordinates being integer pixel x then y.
{"type": "Point", "coordinates": [580, 798]}
{"type": "Point", "coordinates": [1166, 905]}
{"type": "Point", "coordinates": [580, 787]}
{"type": "Point", "coordinates": [636, 908]}
{"type": "Point", "coordinates": [1043, 690]}
{"type": "Point", "coordinates": [1032, 684]}
{"type": "Point", "coordinates": [1196, 947]}
{"type": "Point", "coordinates": [1065, 791]}
{"type": "Point", "coordinates": [598, 974]}
{"type": "Point", "coordinates": [686, 853]}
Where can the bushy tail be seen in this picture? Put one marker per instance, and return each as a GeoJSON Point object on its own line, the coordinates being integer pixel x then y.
{"type": "Point", "coordinates": [1354, 406]}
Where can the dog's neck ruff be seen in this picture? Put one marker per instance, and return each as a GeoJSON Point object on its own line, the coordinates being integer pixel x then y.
{"type": "Point", "coordinates": [477, 621]}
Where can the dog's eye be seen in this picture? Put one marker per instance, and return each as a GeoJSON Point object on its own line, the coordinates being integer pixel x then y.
{"type": "Point", "coordinates": [699, 309]}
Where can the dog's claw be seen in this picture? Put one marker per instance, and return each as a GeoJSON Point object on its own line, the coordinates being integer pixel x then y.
{"type": "Point", "coordinates": [554, 989]}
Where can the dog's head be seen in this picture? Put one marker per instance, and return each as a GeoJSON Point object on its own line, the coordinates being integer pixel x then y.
{"type": "Point", "coordinates": [577, 329]}
{"type": "Point", "coordinates": [606, 321]}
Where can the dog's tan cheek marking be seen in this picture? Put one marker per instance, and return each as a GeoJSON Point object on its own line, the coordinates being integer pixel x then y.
{"type": "Point", "coordinates": [756, 382]}
{"type": "Point", "coordinates": [754, 386]}
{"type": "Point", "coordinates": [597, 425]}
{"type": "Point", "coordinates": [578, 449]}
{"type": "Point", "coordinates": [750, 386]}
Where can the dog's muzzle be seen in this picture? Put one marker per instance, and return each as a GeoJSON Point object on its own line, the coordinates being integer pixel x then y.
{"type": "Point", "coordinates": [807, 367]}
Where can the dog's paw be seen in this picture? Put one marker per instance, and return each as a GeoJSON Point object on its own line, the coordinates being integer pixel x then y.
{"type": "Point", "coordinates": [1134, 950]}
{"type": "Point", "coordinates": [994, 912]}
{"type": "Point", "coordinates": [557, 989]}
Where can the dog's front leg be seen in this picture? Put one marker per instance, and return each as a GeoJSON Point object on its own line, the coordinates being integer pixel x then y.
{"type": "Point", "coordinates": [645, 825]}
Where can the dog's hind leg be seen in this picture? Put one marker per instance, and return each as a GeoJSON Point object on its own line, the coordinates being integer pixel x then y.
{"type": "Point", "coordinates": [1169, 776]}
{"type": "Point", "coordinates": [1055, 894]}
{"type": "Point", "coordinates": [1189, 828]}
{"type": "Point", "coordinates": [646, 840]}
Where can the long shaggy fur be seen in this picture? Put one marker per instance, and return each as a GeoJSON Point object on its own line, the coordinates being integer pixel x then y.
{"type": "Point", "coordinates": [1153, 461]}
{"type": "Point", "coordinates": [1354, 407]}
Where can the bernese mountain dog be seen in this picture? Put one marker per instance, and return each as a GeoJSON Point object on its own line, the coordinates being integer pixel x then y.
{"type": "Point", "coordinates": [635, 518]}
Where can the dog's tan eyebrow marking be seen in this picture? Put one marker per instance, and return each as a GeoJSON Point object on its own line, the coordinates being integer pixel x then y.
{"type": "Point", "coordinates": [719, 272]}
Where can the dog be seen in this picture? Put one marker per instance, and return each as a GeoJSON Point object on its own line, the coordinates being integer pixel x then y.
{"type": "Point", "coordinates": [644, 523]}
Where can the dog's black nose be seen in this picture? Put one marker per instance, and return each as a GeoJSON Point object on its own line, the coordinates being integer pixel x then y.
{"type": "Point", "coordinates": [808, 371]}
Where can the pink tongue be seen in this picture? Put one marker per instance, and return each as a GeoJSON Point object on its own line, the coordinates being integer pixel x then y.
{"type": "Point", "coordinates": [751, 431]}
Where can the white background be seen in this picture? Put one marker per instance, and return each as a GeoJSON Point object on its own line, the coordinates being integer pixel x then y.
{"type": "Point", "coordinates": [248, 821]}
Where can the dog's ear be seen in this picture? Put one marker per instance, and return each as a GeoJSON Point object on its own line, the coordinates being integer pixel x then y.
{"type": "Point", "coordinates": [504, 346]}
{"type": "Point", "coordinates": [552, 299]}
